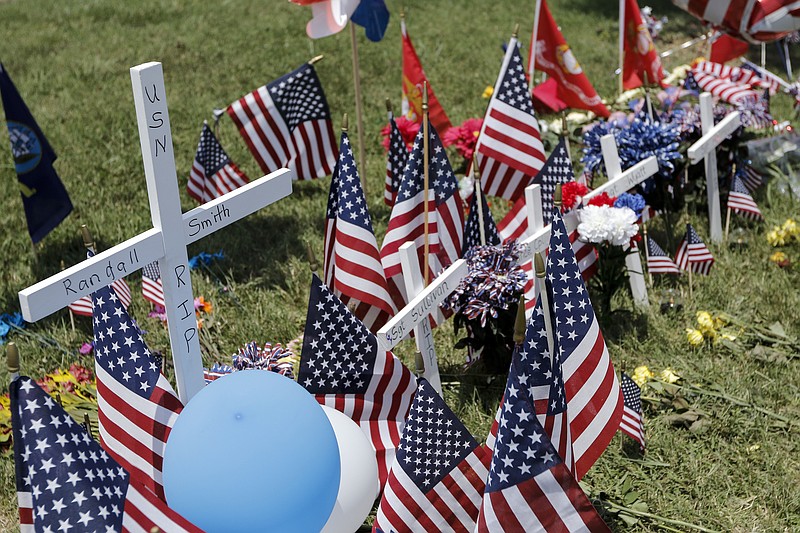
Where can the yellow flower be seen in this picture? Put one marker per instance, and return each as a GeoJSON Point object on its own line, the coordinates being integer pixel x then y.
{"type": "Point", "coordinates": [706, 323]}
{"type": "Point", "coordinates": [669, 376]}
{"type": "Point", "coordinates": [778, 257]}
{"type": "Point", "coordinates": [728, 337]}
{"type": "Point", "coordinates": [776, 237]}
{"type": "Point", "coordinates": [488, 92]}
{"type": "Point", "coordinates": [790, 228]}
{"type": "Point", "coordinates": [694, 337]}
{"type": "Point", "coordinates": [641, 375]}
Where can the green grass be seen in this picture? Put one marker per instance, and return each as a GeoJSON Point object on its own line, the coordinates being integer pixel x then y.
{"type": "Point", "coordinates": [70, 61]}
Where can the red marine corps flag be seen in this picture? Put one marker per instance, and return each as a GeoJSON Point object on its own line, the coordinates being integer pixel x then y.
{"type": "Point", "coordinates": [641, 58]}
{"type": "Point", "coordinates": [554, 57]}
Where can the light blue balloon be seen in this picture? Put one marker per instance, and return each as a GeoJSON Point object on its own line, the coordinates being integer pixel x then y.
{"type": "Point", "coordinates": [252, 451]}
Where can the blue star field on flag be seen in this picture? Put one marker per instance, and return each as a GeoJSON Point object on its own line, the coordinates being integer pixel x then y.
{"type": "Point", "coordinates": [472, 235]}
{"type": "Point", "coordinates": [299, 96]}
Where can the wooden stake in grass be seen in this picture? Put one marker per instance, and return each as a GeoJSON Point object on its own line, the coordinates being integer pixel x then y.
{"type": "Point", "coordinates": [621, 42]}
{"type": "Point", "coordinates": [476, 178]}
{"type": "Point", "coordinates": [647, 255]}
{"type": "Point", "coordinates": [426, 171]}
{"type": "Point", "coordinates": [362, 162]}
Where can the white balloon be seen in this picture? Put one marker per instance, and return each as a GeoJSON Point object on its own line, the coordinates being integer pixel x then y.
{"type": "Point", "coordinates": [358, 486]}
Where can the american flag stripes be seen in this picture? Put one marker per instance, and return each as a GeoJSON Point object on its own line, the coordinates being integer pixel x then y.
{"type": "Point", "coordinates": [137, 406]}
{"type": "Point", "coordinates": [396, 160]}
{"type": "Point", "coordinates": [510, 150]}
{"type": "Point", "coordinates": [472, 230]}
{"type": "Point", "coordinates": [740, 201]}
{"type": "Point", "coordinates": [557, 169]}
{"type": "Point", "coordinates": [437, 479]}
{"type": "Point", "coordinates": [529, 487]}
{"type": "Point", "coordinates": [750, 177]}
{"type": "Point", "coordinates": [631, 423]}
{"type": "Point", "coordinates": [730, 84]}
{"type": "Point", "coordinates": [594, 398]}
{"type": "Point", "coordinates": [658, 262]}
{"type": "Point", "coordinates": [152, 287]}
{"type": "Point", "coordinates": [352, 264]}
{"type": "Point", "coordinates": [83, 306]}
{"type": "Point", "coordinates": [287, 123]}
{"type": "Point", "coordinates": [343, 367]}
{"type": "Point", "coordinates": [693, 253]}
{"type": "Point", "coordinates": [213, 173]}
{"type": "Point", "coordinates": [767, 79]}
{"type": "Point", "coordinates": [74, 483]}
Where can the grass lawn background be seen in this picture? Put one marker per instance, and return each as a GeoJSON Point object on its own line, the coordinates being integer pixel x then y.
{"type": "Point", "coordinates": [70, 62]}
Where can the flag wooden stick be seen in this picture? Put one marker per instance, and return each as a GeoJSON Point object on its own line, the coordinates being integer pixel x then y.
{"type": "Point", "coordinates": [313, 264]}
{"type": "Point", "coordinates": [316, 59]}
{"type": "Point", "coordinates": [621, 41]}
{"type": "Point", "coordinates": [727, 223]}
{"type": "Point", "coordinates": [426, 170]}
{"type": "Point", "coordinates": [691, 292]}
{"type": "Point", "coordinates": [647, 255]}
{"type": "Point", "coordinates": [476, 175]}
{"type": "Point", "coordinates": [763, 55]}
{"type": "Point", "coordinates": [519, 323]}
{"type": "Point", "coordinates": [538, 264]}
{"type": "Point", "coordinates": [87, 424]}
{"type": "Point", "coordinates": [565, 133]}
{"type": "Point", "coordinates": [88, 240]}
{"type": "Point", "coordinates": [12, 360]}
{"type": "Point", "coordinates": [362, 162]}
{"type": "Point", "coordinates": [534, 36]}
{"type": "Point", "coordinates": [647, 100]}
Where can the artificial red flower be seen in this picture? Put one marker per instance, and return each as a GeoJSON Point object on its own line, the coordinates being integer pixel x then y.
{"type": "Point", "coordinates": [603, 199]}
{"type": "Point", "coordinates": [464, 137]}
{"type": "Point", "coordinates": [571, 193]}
{"type": "Point", "coordinates": [408, 130]}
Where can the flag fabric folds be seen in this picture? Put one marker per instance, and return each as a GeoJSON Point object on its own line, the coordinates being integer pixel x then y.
{"type": "Point", "coordinates": [435, 484]}
{"type": "Point", "coordinates": [509, 146]}
{"type": "Point", "coordinates": [632, 423]}
{"type": "Point", "coordinates": [730, 84]}
{"type": "Point", "coordinates": [740, 201]}
{"type": "Point", "coordinates": [693, 253]}
{"type": "Point", "coordinates": [472, 229]}
{"type": "Point", "coordinates": [658, 262]}
{"type": "Point", "coordinates": [413, 79]}
{"type": "Point", "coordinates": [152, 287]}
{"type": "Point", "coordinates": [343, 367]}
{"type": "Point", "coordinates": [529, 487]}
{"type": "Point", "coordinates": [594, 398]}
{"type": "Point", "coordinates": [137, 406]}
{"type": "Point", "coordinates": [74, 484]}
{"type": "Point", "coordinates": [44, 197]}
{"type": "Point", "coordinates": [553, 56]}
{"type": "Point", "coordinates": [640, 56]}
{"type": "Point", "coordinates": [755, 21]}
{"type": "Point", "coordinates": [352, 264]}
{"type": "Point", "coordinates": [213, 173]}
{"type": "Point", "coordinates": [287, 123]}
{"type": "Point", "coordinates": [396, 160]}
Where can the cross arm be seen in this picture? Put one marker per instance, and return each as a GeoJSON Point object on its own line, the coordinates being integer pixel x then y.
{"type": "Point", "coordinates": [714, 137]}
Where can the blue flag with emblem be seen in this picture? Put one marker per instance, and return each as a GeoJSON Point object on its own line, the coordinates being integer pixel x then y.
{"type": "Point", "coordinates": [44, 197]}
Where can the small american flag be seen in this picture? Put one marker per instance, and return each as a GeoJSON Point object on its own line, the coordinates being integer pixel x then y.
{"type": "Point", "coordinates": [730, 84]}
{"type": "Point", "coordinates": [472, 230]}
{"type": "Point", "coordinates": [594, 398]}
{"type": "Point", "coordinates": [557, 169]}
{"type": "Point", "coordinates": [287, 123]}
{"type": "Point", "coordinates": [740, 201]}
{"type": "Point", "coordinates": [73, 482]}
{"type": "Point", "coordinates": [83, 306]}
{"type": "Point", "coordinates": [342, 365]}
{"type": "Point", "coordinates": [543, 377]}
{"type": "Point", "coordinates": [213, 173]}
{"type": "Point", "coordinates": [632, 423]}
{"type": "Point", "coordinates": [510, 150]}
{"type": "Point", "coordinates": [352, 264]}
{"type": "Point", "coordinates": [658, 262]}
{"type": "Point", "coordinates": [529, 487]}
{"type": "Point", "coordinates": [437, 479]}
{"type": "Point", "coordinates": [137, 406]}
{"type": "Point", "coordinates": [396, 161]}
{"type": "Point", "coordinates": [749, 176]}
{"type": "Point", "coordinates": [690, 84]}
{"type": "Point", "coordinates": [766, 79]}
{"type": "Point", "coordinates": [152, 287]}
{"type": "Point", "coordinates": [693, 253]}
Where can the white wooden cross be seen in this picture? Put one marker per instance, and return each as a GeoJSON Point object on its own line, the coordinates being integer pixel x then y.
{"type": "Point", "coordinates": [166, 242]}
{"type": "Point", "coordinates": [706, 147]}
{"type": "Point", "coordinates": [422, 302]}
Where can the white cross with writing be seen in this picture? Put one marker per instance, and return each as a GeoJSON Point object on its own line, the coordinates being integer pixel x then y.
{"type": "Point", "coordinates": [166, 242]}
{"type": "Point", "coordinates": [705, 148]}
